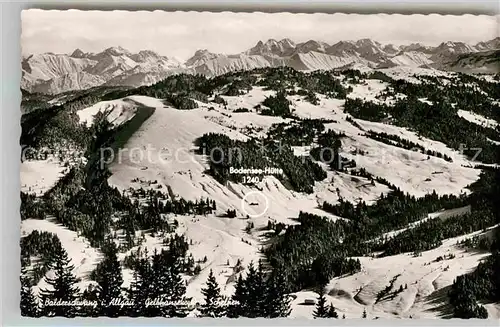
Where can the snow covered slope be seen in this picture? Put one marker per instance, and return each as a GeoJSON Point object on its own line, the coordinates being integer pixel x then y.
{"type": "Point", "coordinates": [424, 280]}
{"type": "Point", "coordinates": [117, 112]}
{"type": "Point", "coordinates": [477, 119]}
{"type": "Point", "coordinates": [38, 176]}
{"type": "Point", "coordinates": [163, 150]}
{"type": "Point", "coordinates": [82, 255]}
{"type": "Point", "coordinates": [56, 73]}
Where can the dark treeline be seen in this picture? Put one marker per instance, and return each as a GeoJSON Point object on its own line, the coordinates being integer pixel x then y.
{"type": "Point", "coordinates": [34, 101]}
{"type": "Point", "coordinates": [328, 149]}
{"type": "Point", "coordinates": [398, 141]}
{"type": "Point", "coordinates": [297, 133]}
{"type": "Point", "coordinates": [483, 284]}
{"type": "Point", "coordinates": [299, 173]}
{"type": "Point", "coordinates": [322, 310]}
{"type": "Point", "coordinates": [438, 121]}
{"type": "Point", "coordinates": [309, 96]}
{"type": "Point", "coordinates": [277, 105]}
{"type": "Point", "coordinates": [157, 289]}
{"type": "Point", "coordinates": [31, 207]}
{"type": "Point", "coordinates": [40, 245]}
{"type": "Point", "coordinates": [327, 83]}
{"type": "Point", "coordinates": [470, 92]}
{"type": "Point", "coordinates": [430, 234]}
{"type": "Point", "coordinates": [362, 172]}
{"type": "Point", "coordinates": [50, 126]}
{"type": "Point", "coordinates": [366, 110]}
{"type": "Point", "coordinates": [310, 254]}
{"type": "Point", "coordinates": [392, 211]}
{"type": "Point", "coordinates": [164, 204]}
{"type": "Point", "coordinates": [260, 295]}
{"type": "Point", "coordinates": [481, 243]}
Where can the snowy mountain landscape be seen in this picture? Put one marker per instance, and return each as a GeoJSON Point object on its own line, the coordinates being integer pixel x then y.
{"type": "Point", "coordinates": [115, 66]}
{"type": "Point", "coordinates": [348, 179]}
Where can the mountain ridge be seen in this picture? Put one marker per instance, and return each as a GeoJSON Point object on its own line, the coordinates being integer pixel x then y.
{"type": "Point", "coordinates": [116, 66]}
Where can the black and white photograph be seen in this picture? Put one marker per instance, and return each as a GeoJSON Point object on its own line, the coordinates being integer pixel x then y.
{"type": "Point", "coordinates": [190, 164]}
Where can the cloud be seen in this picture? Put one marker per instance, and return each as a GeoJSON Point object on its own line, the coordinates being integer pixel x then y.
{"type": "Point", "coordinates": [180, 34]}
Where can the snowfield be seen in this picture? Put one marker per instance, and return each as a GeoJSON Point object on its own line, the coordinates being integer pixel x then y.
{"type": "Point", "coordinates": [426, 279]}
{"type": "Point", "coordinates": [117, 112]}
{"type": "Point", "coordinates": [368, 90]}
{"type": "Point", "coordinates": [219, 239]}
{"type": "Point", "coordinates": [82, 255]}
{"type": "Point", "coordinates": [163, 150]}
{"type": "Point", "coordinates": [168, 136]}
{"type": "Point", "coordinates": [38, 176]}
{"type": "Point", "coordinates": [477, 119]}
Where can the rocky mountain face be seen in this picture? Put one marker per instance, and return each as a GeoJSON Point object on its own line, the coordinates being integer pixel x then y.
{"type": "Point", "coordinates": [56, 73]}
{"type": "Point", "coordinates": [477, 62]}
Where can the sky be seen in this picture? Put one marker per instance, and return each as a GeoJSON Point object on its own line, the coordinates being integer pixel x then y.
{"type": "Point", "coordinates": [180, 34]}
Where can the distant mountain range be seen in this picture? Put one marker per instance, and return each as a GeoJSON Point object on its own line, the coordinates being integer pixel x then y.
{"type": "Point", "coordinates": [55, 73]}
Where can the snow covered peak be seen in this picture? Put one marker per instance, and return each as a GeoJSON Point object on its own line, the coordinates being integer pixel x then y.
{"type": "Point", "coordinates": [489, 45]}
{"type": "Point", "coordinates": [201, 52]}
{"type": "Point", "coordinates": [417, 47]}
{"type": "Point", "coordinates": [312, 45]}
{"type": "Point", "coordinates": [78, 54]}
{"type": "Point", "coordinates": [455, 47]}
{"type": "Point", "coordinates": [364, 48]}
{"type": "Point", "coordinates": [367, 42]}
{"type": "Point", "coordinates": [118, 66]}
{"type": "Point", "coordinates": [116, 51]}
{"type": "Point", "coordinates": [369, 46]}
{"type": "Point", "coordinates": [148, 53]}
{"type": "Point", "coordinates": [271, 47]}
{"type": "Point", "coordinates": [286, 42]}
{"type": "Point", "coordinates": [201, 56]}
{"type": "Point", "coordinates": [145, 55]}
{"type": "Point", "coordinates": [342, 48]}
{"type": "Point", "coordinates": [391, 49]}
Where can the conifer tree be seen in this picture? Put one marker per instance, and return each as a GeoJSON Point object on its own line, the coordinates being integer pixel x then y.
{"type": "Point", "coordinates": [90, 295]}
{"type": "Point", "coordinates": [249, 294]}
{"type": "Point", "coordinates": [256, 296]}
{"type": "Point", "coordinates": [237, 308]}
{"type": "Point", "coordinates": [63, 290]}
{"type": "Point", "coordinates": [332, 313]}
{"type": "Point", "coordinates": [277, 299]}
{"type": "Point", "coordinates": [29, 306]}
{"type": "Point", "coordinates": [321, 310]}
{"type": "Point", "coordinates": [140, 288]}
{"type": "Point", "coordinates": [168, 285]}
{"type": "Point", "coordinates": [213, 306]}
{"type": "Point", "coordinates": [255, 305]}
{"type": "Point", "coordinates": [364, 313]}
{"type": "Point", "coordinates": [109, 279]}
